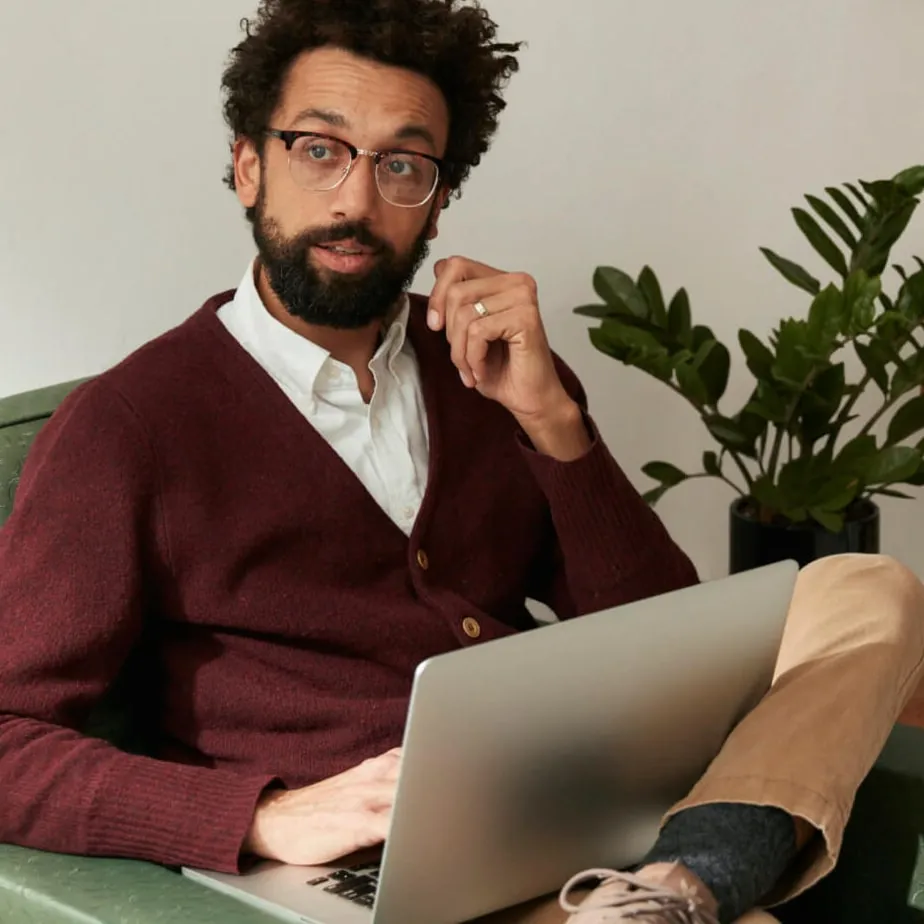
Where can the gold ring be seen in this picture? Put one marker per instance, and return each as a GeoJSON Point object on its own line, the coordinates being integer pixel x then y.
{"type": "Point", "coordinates": [480, 310]}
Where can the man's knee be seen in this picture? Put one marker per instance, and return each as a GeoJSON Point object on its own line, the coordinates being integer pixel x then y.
{"type": "Point", "coordinates": [885, 595]}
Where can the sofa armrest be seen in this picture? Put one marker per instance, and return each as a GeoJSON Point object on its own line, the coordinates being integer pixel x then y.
{"type": "Point", "coordinates": [50, 888]}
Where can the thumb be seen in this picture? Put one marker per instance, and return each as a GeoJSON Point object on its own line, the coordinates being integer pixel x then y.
{"type": "Point", "coordinates": [438, 267]}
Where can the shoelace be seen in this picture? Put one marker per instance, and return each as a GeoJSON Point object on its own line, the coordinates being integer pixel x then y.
{"type": "Point", "coordinates": [620, 891]}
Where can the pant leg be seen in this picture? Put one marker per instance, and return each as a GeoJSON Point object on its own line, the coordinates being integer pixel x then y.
{"type": "Point", "coordinates": [852, 656]}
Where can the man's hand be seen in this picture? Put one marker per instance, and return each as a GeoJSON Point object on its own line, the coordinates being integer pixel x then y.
{"type": "Point", "coordinates": [330, 820]}
{"type": "Point", "coordinates": [499, 345]}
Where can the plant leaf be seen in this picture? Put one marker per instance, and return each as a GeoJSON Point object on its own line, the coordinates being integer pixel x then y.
{"type": "Point", "coordinates": [908, 420]}
{"type": "Point", "coordinates": [680, 318]}
{"type": "Point", "coordinates": [766, 493]}
{"type": "Point", "coordinates": [711, 464]}
{"type": "Point", "coordinates": [692, 384]}
{"type": "Point", "coordinates": [824, 246]}
{"type": "Point", "coordinates": [856, 457]}
{"type": "Point", "coordinates": [650, 288]}
{"type": "Point", "coordinates": [826, 319]}
{"type": "Point", "coordinates": [729, 434]}
{"type": "Point", "coordinates": [911, 180]}
{"type": "Point", "coordinates": [599, 311]}
{"type": "Point", "coordinates": [874, 365]}
{"type": "Point", "coordinates": [759, 357]}
{"type": "Point", "coordinates": [618, 288]}
{"type": "Point", "coordinates": [792, 272]}
{"type": "Point", "coordinates": [903, 381]}
{"type": "Point", "coordinates": [847, 207]}
{"type": "Point", "coordinates": [858, 196]}
{"type": "Point", "coordinates": [793, 364]}
{"type": "Point", "coordinates": [700, 335]}
{"type": "Point", "coordinates": [889, 492]}
{"type": "Point", "coordinates": [714, 370]}
{"type": "Point", "coordinates": [892, 464]}
{"type": "Point", "coordinates": [665, 473]}
{"type": "Point", "coordinates": [833, 522]}
{"type": "Point", "coordinates": [833, 220]}
{"type": "Point", "coordinates": [655, 494]}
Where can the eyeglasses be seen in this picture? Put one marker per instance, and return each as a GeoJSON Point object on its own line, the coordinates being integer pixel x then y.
{"type": "Point", "coordinates": [320, 163]}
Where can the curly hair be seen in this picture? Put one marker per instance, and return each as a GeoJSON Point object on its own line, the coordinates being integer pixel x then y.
{"type": "Point", "coordinates": [450, 42]}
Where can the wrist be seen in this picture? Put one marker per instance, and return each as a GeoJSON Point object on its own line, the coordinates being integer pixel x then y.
{"type": "Point", "coordinates": [255, 843]}
{"type": "Point", "coordinates": [559, 430]}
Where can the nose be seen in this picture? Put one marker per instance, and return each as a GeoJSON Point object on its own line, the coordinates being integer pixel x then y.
{"type": "Point", "coordinates": [357, 198]}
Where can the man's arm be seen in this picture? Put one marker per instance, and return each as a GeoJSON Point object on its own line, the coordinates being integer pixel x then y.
{"type": "Point", "coordinates": [74, 559]}
{"type": "Point", "coordinates": [608, 546]}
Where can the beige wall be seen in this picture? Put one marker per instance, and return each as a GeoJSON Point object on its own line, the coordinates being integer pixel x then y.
{"type": "Point", "coordinates": [667, 132]}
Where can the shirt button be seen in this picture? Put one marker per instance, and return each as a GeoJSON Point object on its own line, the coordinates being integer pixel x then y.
{"type": "Point", "coordinates": [471, 627]}
{"type": "Point", "coordinates": [423, 560]}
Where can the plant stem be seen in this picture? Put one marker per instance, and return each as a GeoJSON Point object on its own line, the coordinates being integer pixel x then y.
{"type": "Point", "coordinates": [721, 477]}
{"type": "Point", "coordinates": [888, 403]}
{"type": "Point", "coordinates": [744, 472]}
{"type": "Point", "coordinates": [777, 448]}
{"type": "Point", "coordinates": [737, 459]}
{"type": "Point", "coordinates": [844, 415]}
{"type": "Point", "coordinates": [733, 486]}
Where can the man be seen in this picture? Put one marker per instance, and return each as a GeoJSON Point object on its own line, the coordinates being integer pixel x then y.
{"type": "Point", "coordinates": [275, 512]}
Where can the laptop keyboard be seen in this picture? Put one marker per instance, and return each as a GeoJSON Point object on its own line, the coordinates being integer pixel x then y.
{"type": "Point", "coordinates": [357, 884]}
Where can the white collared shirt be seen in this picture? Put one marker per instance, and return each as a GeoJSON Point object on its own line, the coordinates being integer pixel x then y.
{"type": "Point", "coordinates": [386, 442]}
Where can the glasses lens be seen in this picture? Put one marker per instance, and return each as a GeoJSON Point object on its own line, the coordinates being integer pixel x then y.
{"type": "Point", "coordinates": [318, 163]}
{"type": "Point", "coordinates": [406, 179]}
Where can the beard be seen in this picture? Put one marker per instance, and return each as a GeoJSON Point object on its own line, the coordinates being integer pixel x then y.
{"type": "Point", "coordinates": [343, 301]}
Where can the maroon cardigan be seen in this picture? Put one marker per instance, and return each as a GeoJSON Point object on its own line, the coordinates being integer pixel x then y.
{"type": "Point", "coordinates": [182, 503]}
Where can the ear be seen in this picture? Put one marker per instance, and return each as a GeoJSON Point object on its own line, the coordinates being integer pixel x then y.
{"type": "Point", "coordinates": [442, 197]}
{"type": "Point", "coordinates": [247, 172]}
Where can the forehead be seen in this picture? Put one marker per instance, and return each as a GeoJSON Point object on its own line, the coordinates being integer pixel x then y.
{"type": "Point", "coordinates": [375, 100]}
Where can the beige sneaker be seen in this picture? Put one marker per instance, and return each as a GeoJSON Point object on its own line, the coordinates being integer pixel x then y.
{"type": "Point", "coordinates": [671, 899]}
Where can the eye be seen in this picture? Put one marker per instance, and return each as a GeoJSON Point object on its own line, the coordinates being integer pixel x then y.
{"type": "Point", "coordinates": [401, 166]}
{"type": "Point", "coordinates": [318, 150]}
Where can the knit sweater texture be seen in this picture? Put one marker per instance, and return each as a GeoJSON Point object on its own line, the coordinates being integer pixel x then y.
{"type": "Point", "coordinates": [178, 519]}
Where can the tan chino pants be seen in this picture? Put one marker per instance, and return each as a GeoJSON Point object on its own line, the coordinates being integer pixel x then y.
{"type": "Point", "coordinates": [852, 656]}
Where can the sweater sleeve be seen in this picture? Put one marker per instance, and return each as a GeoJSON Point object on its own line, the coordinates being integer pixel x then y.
{"type": "Point", "coordinates": [607, 546]}
{"type": "Point", "coordinates": [75, 563]}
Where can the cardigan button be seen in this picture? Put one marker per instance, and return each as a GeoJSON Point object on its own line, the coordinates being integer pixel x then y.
{"type": "Point", "coordinates": [471, 627]}
{"type": "Point", "coordinates": [423, 560]}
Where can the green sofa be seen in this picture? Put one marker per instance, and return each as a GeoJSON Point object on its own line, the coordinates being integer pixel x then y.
{"type": "Point", "coordinates": [880, 879]}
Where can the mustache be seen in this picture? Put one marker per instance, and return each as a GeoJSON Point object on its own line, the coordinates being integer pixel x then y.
{"type": "Point", "coordinates": [346, 231]}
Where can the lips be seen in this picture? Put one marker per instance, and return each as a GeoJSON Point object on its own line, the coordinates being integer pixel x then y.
{"type": "Point", "coordinates": [346, 256]}
{"type": "Point", "coordinates": [349, 248]}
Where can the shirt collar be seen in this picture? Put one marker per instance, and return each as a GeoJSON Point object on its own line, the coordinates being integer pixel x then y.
{"type": "Point", "coordinates": [294, 361]}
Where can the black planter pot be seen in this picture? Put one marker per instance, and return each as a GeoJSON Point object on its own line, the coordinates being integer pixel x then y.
{"type": "Point", "coordinates": [753, 544]}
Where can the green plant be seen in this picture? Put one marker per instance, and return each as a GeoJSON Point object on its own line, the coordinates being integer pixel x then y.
{"type": "Point", "coordinates": [791, 449]}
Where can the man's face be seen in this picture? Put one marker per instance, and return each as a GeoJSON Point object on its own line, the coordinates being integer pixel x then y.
{"type": "Point", "coordinates": [341, 257]}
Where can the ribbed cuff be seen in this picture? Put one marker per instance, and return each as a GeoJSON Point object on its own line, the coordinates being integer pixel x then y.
{"type": "Point", "coordinates": [608, 534]}
{"type": "Point", "coordinates": [175, 815]}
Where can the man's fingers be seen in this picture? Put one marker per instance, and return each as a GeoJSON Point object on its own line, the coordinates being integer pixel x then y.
{"type": "Point", "coordinates": [503, 313]}
{"type": "Point", "coordinates": [449, 273]}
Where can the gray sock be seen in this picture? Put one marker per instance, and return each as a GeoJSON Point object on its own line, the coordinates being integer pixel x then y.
{"type": "Point", "coordinates": [740, 852]}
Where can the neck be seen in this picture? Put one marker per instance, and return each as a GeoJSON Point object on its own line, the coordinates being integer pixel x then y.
{"type": "Point", "coordinates": [355, 348]}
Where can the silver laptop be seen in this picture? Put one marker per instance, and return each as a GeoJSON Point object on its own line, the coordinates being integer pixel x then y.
{"type": "Point", "coordinates": [531, 758]}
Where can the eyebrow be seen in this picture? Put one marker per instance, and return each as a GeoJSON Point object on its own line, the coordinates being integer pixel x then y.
{"type": "Point", "coordinates": [408, 132]}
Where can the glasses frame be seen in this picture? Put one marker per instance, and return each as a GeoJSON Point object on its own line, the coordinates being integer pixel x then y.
{"type": "Point", "coordinates": [288, 138]}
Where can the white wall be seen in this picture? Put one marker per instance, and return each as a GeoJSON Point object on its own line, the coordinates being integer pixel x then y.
{"type": "Point", "coordinates": [667, 132]}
